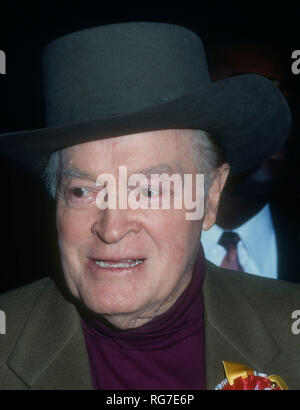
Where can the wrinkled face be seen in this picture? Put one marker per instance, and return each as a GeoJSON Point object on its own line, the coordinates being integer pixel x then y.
{"type": "Point", "coordinates": [120, 261]}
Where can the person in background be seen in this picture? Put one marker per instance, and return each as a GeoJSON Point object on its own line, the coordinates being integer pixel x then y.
{"type": "Point", "coordinates": [255, 231]}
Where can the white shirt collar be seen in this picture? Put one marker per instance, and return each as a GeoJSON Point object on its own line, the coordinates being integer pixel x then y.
{"type": "Point", "coordinates": [257, 238]}
{"type": "Point", "coordinates": [256, 234]}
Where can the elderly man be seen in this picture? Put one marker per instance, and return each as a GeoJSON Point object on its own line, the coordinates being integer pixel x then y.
{"type": "Point", "coordinates": [138, 307]}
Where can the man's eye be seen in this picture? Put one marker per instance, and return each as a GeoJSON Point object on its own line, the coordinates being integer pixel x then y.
{"type": "Point", "coordinates": [80, 192]}
{"type": "Point", "coordinates": [150, 192]}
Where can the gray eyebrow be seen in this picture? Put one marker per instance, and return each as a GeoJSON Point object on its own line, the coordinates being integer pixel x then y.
{"type": "Point", "coordinates": [75, 172]}
{"type": "Point", "coordinates": [157, 169]}
{"type": "Point", "coordinates": [71, 171]}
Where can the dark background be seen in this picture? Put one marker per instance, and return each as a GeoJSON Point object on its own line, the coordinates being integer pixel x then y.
{"type": "Point", "coordinates": [27, 239]}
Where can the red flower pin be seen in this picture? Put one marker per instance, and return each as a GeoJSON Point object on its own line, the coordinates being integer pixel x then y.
{"type": "Point", "coordinates": [240, 377]}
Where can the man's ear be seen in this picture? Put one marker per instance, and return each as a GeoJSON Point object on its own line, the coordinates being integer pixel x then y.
{"type": "Point", "coordinates": [214, 195]}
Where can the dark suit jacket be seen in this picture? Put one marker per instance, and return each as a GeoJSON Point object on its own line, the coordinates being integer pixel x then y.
{"type": "Point", "coordinates": [287, 229]}
{"type": "Point", "coordinates": [247, 320]}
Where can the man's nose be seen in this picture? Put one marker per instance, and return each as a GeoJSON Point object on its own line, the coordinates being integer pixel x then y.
{"type": "Point", "coordinates": [112, 225]}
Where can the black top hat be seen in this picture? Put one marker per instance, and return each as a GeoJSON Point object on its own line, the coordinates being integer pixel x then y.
{"type": "Point", "coordinates": [125, 78]}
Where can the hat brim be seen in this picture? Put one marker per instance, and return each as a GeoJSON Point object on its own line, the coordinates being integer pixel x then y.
{"type": "Point", "coordinates": [246, 114]}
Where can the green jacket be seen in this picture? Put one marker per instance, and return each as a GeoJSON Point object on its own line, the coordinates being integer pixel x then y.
{"type": "Point", "coordinates": [247, 320]}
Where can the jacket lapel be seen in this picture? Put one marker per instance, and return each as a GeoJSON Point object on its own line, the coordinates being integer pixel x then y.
{"type": "Point", "coordinates": [233, 330]}
{"type": "Point", "coordinates": [51, 352]}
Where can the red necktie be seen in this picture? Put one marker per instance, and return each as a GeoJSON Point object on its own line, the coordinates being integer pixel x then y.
{"type": "Point", "coordinates": [229, 241]}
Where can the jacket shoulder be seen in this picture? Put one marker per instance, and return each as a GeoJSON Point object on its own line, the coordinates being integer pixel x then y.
{"type": "Point", "coordinates": [275, 293]}
{"type": "Point", "coordinates": [16, 306]}
{"type": "Point", "coordinates": [272, 300]}
{"type": "Point", "coordinates": [16, 300]}
{"type": "Point", "coordinates": [250, 320]}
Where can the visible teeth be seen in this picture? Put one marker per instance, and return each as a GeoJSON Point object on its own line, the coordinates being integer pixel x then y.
{"type": "Point", "coordinates": [130, 263]}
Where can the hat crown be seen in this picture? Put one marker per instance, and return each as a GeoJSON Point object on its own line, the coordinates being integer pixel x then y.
{"type": "Point", "coordinates": [112, 70]}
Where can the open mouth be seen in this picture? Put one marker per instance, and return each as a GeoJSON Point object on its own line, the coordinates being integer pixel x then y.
{"type": "Point", "coordinates": [123, 263]}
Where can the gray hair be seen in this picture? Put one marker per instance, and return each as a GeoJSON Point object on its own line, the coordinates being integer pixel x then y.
{"type": "Point", "coordinates": [52, 173]}
{"type": "Point", "coordinates": [206, 153]}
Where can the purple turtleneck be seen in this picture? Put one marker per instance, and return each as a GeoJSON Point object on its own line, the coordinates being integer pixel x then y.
{"type": "Point", "coordinates": [165, 353]}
